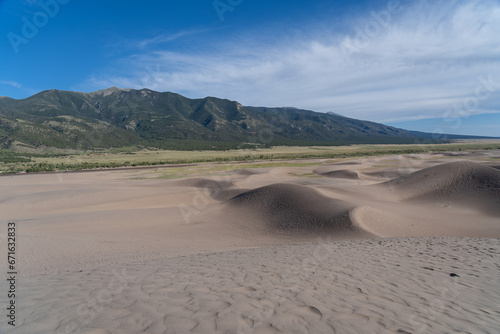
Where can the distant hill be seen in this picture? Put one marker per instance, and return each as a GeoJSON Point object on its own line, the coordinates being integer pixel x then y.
{"type": "Point", "coordinates": [125, 117]}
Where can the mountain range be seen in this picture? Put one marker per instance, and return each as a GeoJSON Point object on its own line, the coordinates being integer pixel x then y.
{"type": "Point", "coordinates": [144, 118]}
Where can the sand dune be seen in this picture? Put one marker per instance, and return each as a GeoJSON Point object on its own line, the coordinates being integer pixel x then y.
{"type": "Point", "coordinates": [342, 174]}
{"type": "Point", "coordinates": [295, 209]}
{"type": "Point", "coordinates": [456, 183]}
{"type": "Point", "coordinates": [328, 247]}
{"type": "Point", "coordinates": [211, 184]}
{"type": "Point", "coordinates": [348, 163]}
{"type": "Point", "coordinates": [388, 173]}
{"type": "Point", "coordinates": [494, 166]}
{"type": "Point", "coordinates": [217, 188]}
{"type": "Point", "coordinates": [247, 172]}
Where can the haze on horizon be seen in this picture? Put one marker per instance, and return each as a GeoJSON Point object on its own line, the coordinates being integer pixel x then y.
{"type": "Point", "coordinates": [419, 65]}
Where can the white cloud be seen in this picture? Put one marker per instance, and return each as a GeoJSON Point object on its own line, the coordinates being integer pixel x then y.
{"type": "Point", "coordinates": [165, 38]}
{"type": "Point", "coordinates": [10, 83]}
{"type": "Point", "coordinates": [428, 58]}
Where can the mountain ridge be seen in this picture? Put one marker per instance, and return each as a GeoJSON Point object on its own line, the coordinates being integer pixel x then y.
{"type": "Point", "coordinates": [115, 117]}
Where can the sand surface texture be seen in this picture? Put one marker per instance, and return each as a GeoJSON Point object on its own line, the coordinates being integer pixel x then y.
{"type": "Point", "coordinates": [395, 244]}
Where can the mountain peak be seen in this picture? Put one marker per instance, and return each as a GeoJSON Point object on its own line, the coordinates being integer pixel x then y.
{"type": "Point", "coordinates": [334, 113]}
{"type": "Point", "coordinates": [108, 91]}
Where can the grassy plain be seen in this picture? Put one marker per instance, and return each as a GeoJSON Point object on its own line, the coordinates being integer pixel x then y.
{"type": "Point", "coordinates": [18, 163]}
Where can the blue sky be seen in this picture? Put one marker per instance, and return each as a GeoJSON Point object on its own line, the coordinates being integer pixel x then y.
{"type": "Point", "coordinates": [423, 65]}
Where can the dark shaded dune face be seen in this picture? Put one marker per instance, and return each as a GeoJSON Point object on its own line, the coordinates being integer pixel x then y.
{"type": "Point", "coordinates": [220, 190]}
{"type": "Point", "coordinates": [452, 154]}
{"type": "Point", "coordinates": [463, 154]}
{"type": "Point", "coordinates": [462, 183]}
{"type": "Point", "coordinates": [342, 174]}
{"type": "Point", "coordinates": [247, 172]}
{"type": "Point", "coordinates": [348, 163]}
{"type": "Point", "coordinates": [298, 210]}
{"type": "Point", "coordinates": [388, 174]}
{"type": "Point", "coordinates": [203, 183]}
{"type": "Point", "coordinates": [494, 166]}
{"type": "Point", "coordinates": [226, 194]}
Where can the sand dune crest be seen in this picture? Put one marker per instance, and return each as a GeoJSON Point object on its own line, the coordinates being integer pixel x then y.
{"type": "Point", "coordinates": [296, 209]}
{"type": "Point", "coordinates": [460, 183]}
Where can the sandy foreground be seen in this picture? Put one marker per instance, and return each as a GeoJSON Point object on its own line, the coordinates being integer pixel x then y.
{"type": "Point", "coordinates": [395, 244]}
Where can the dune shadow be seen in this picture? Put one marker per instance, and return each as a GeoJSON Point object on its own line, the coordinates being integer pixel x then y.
{"type": "Point", "coordinates": [297, 210]}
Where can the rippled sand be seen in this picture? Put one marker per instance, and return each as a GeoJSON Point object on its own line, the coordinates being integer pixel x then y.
{"type": "Point", "coordinates": [374, 245]}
